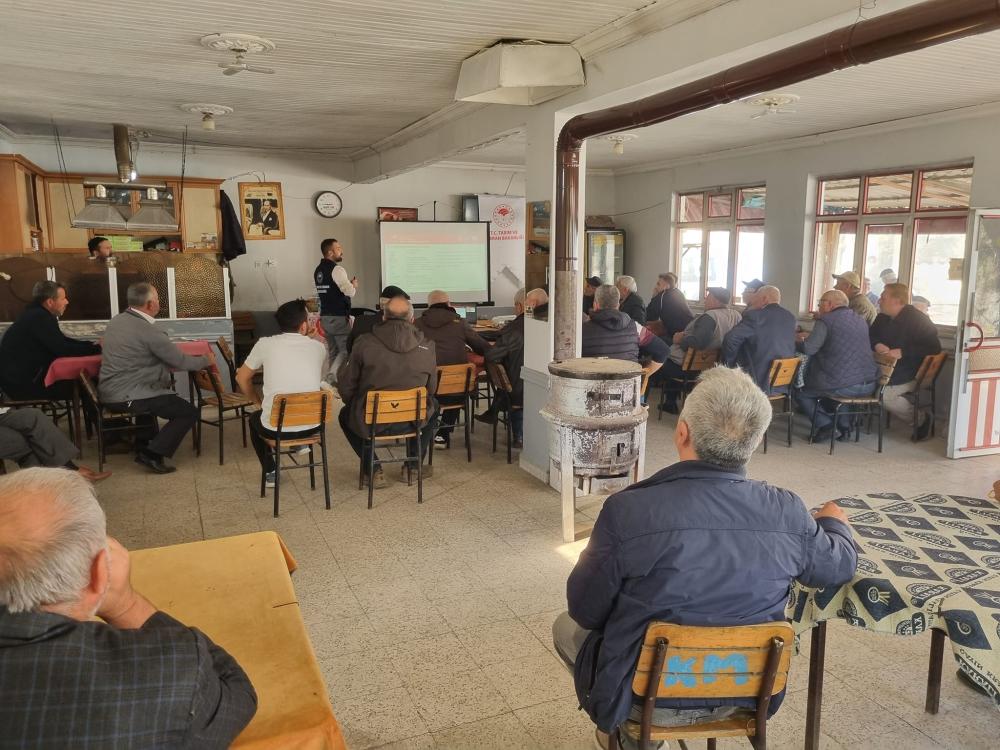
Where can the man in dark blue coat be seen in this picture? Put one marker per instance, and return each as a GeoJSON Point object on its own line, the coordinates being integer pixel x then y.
{"type": "Point", "coordinates": [698, 543]}
{"type": "Point", "coordinates": [766, 333]}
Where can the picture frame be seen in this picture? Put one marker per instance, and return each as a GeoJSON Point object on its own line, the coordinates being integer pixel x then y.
{"type": "Point", "coordinates": [395, 213]}
{"type": "Point", "coordinates": [262, 211]}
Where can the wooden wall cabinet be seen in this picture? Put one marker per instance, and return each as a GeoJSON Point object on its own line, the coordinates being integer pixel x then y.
{"type": "Point", "coordinates": [21, 216]}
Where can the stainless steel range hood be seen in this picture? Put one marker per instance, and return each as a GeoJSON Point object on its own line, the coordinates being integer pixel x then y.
{"type": "Point", "coordinates": [99, 213]}
{"type": "Point", "coordinates": [154, 215]}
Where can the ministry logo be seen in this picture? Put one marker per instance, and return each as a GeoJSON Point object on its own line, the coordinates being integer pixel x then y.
{"type": "Point", "coordinates": [503, 216]}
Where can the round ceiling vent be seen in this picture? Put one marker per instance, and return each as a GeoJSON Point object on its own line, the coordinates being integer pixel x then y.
{"type": "Point", "coordinates": [216, 110]}
{"type": "Point", "coordinates": [772, 101]}
{"type": "Point", "coordinates": [230, 40]}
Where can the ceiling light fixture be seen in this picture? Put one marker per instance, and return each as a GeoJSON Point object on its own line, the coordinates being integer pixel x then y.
{"type": "Point", "coordinates": [773, 104]}
{"type": "Point", "coordinates": [208, 113]}
{"type": "Point", "coordinates": [618, 141]}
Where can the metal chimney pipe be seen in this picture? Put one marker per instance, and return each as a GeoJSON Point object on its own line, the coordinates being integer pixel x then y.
{"type": "Point", "coordinates": [908, 30]}
{"type": "Point", "coordinates": [123, 153]}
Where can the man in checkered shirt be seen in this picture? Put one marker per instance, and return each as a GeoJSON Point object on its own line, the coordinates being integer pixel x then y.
{"type": "Point", "coordinates": [138, 679]}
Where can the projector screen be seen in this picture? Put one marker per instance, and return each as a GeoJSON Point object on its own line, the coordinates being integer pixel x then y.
{"type": "Point", "coordinates": [421, 256]}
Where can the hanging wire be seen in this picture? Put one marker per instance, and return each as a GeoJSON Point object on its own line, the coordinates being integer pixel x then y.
{"type": "Point", "coordinates": [639, 210]}
{"type": "Point", "coordinates": [180, 197]}
{"type": "Point", "coordinates": [61, 157]}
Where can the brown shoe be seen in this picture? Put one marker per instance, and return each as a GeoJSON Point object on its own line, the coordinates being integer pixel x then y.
{"type": "Point", "coordinates": [408, 474]}
{"type": "Point", "coordinates": [92, 476]}
{"type": "Point", "coordinates": [380, 483]}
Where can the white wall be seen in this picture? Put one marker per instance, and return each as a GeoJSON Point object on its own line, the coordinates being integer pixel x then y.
{"type": "Point", "coordinates": [790, 175]}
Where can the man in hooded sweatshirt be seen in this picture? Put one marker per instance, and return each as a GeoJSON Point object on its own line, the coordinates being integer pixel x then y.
{"type": "Point", "coordinates": [612, 333]}
{"type": "Point", "coordinates": [395, 356]}
{"type": "Point", "coordinates": [452, 338]}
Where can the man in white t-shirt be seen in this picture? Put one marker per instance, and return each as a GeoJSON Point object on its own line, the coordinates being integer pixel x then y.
{"type": "Point", "coordinates": [292, 363]}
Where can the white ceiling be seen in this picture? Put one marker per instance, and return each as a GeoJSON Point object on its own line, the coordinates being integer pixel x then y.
{"type": "Point", "coordinates": [951, 76]}
{"type": "Point", "coordinates": [348, 73]}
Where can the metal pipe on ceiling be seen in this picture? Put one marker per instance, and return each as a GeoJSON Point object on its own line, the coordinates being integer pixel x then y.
{"type": "Point", "coordinates": [908, 30]}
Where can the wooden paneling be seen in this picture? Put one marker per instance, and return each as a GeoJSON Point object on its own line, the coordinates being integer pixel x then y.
{"type": "Point", "coordinates": [200, 211]}
{"type": "Point", "coordinates": [65, 199]}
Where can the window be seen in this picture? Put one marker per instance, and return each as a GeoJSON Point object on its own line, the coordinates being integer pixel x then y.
{"type": "Point", "coordinates": [720, 238]}
{"type": "Point", "coordinates": [905, 226]}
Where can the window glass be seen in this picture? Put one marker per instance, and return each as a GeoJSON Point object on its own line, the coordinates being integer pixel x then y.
{"type": "Point", "coordinates": [936, 242]}
{"type": "Point", "coordinates": [839, 196]}
{"type": "Point", "coordinates": [749, 255]}
{"type": "Point", "coordinates": [692, 208]}
{"type": "Point", "coordinates": [752, 203]}
{"type": "Point", "coordinates": [883, 243]}
{"type": "Point", "coordinates": [835, 242]}
{"type": "Point", "coordinates": [945, 188]}
{"type": "Point", "coordinates": [690, 281]}
{"type": "Point", "coordinates": [888, 193]}
{"type": "Point", "coordinates": [720, 206]}
{"type": "Point", "coordinates": [718, 258]}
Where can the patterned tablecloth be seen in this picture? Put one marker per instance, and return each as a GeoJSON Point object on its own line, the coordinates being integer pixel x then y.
{"type": "Point", "coordinates": [923, 562]}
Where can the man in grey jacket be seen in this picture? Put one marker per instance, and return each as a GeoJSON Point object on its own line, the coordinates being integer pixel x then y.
{"type": "Point", "coordinates": [135, 375]}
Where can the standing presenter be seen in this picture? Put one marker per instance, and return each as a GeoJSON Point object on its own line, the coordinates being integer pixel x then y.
{"type": "Point", "coordinates": [335, 291]}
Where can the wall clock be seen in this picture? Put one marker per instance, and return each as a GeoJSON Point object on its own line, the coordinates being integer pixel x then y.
{"type": "Point", "coordinates": [328, 204]}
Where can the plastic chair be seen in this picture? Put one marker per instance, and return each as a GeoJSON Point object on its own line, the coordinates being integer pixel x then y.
{"type": "Point", "coordinates": [393, 409]}
{"type": "Point", "coordinates": [298, 410]}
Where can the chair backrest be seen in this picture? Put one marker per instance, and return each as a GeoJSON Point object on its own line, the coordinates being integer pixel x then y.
{"type": "Point", "coordinates": [89, 389]}
{"type": "Point", "coordinates": [227, 354]}
{"type": "Point", "coordinates": [644, 386]}
{"type": "Point", "coordinates": [208, 380]}
{"type": "Point", "coordinates": [455, 379]}
{"type": "Point", "coordinates": [783, 372]}
{"type": "Point", "coordinates": [696, 360]}
{"type": "Point", "coordinates": [301, 409]}
{"type": "Point", "coordinates": [929, 369]}
{"type": "Point", "coordinates": [720, 662]}
{"type": "Point", "coordinates": [392, 407]}
{"type": "Point", "coordinates": [886, 365]}
{"type": "Point", "coordinates": [243, 320]}
{"type": "Point", "coordinates": [498, 377]}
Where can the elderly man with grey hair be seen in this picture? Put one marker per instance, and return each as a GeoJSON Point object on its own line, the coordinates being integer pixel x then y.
{"type": "Point", "coordinates": [698, 543]}
{"type": "Point", "coordinates": [631, 303]}
{"type": "Point", "coordinates": [135, 375]}
{"type": "Point", "coordinates": [766, 333]}
{"type": "Point", "coordinates": [140, 678]}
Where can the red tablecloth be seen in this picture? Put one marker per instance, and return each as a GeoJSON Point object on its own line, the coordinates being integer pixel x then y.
{"type": "Point", "coordinates": [478, 360]}
{"type": "Point", "coordinates": [69, 368]}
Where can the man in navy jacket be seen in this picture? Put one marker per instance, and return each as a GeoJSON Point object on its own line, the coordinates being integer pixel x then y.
{"type": "Point", "coordinates": [698, 543]}
{"type": "Point", "coordinates": [766, 333]}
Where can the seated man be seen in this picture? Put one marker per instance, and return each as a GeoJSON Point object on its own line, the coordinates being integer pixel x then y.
{"type": "Point", "coordinates": [750, 289]}
{"type": "Point", "coordinates": [33, 341]}
{"type": "Point", "coordinates": [612, 333]}
{"type": "Point", "coordinates": [908, 338]}
{"type": "Point", "coordinates": [508, 350]}
{"type": "Point", "coordinates": [668, 312]}
{"type": "Point", "coordinates": [704, 332]}
{"type": "Point", "coordinates": [698, 543]}
{"type": "Point", "coordinates": [589, 287]}
{"type": "Point", "coordinates": [292, 363]}
{"type": "Point", "coordinates": [850, 284]}
{"type": "Point", "coordinates": [138, 679]}
{"type": "Point", "coordinates": [394, 357]}
{"type": "Point", "coordinates": [29, 438]}
{"type": "Point", "coordinates": [631, 303]}
{"type": "Point", "coordinates": [365, 323]}
{"type": "Point", "coordinates": [766, 333]}
{"type": "Point", "coordinates": [135, 375]}
{"type": "Point", "coordinates": [452, 338]}
{"type": "Point", "coordinates": [840, 362]}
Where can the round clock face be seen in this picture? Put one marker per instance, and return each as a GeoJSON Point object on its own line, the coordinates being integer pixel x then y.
{"type": "Point", "coordinates": [328, 204]}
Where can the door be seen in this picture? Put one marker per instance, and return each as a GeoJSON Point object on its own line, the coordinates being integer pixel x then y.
{"type": "Point", "coordinates": [975, 403]}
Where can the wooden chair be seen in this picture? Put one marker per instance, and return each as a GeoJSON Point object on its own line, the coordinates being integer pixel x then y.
{"type": "Point", "coordinates": [503, 395]}
{"type": "Point", "coordinates": [124, 421]}
{"type": "Point", "coordinates": [54, 408]}
{"type": "Point", "coordinates": [676, 661]}
{"type": "Point", "coordinates": [644, 386]}
{"type": "Point", "coordinates": [298, 410]}
{"type": "Point", "coordinates": [782, 375]}
{"type": "Point", "coordinates": [859, 406]}
{"type": "Point", "coordinates": [227, 356]}
{"type": "Point", "coordinates": [695, 360]}
{"type": "Point", "coordinates": [456, 380]}
{"type": "Point", "coordinates": [386, 411]}
{"type": "Point", "coordinates": [925, 394]}
{"type": "Point", "coordinates": [244, 327]}
{"type": "Point", "coordinates": [208, 381]}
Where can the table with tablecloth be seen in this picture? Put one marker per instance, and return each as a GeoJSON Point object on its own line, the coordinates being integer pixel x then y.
{"type": "Point", "coordinates": [237, 590]}
{"type": "Point", "coordinates": [69, 368]}
{"type": "Point", "coordinates": [926, 562]}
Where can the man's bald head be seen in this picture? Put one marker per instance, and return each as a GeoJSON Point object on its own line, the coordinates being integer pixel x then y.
{"type": "Point", "coordinates": [767, 295]}
{"type": "Point", "coordinates": [438, 297]}
{"type": "Point", "coordinates": [398, 308]}
{"type": "Point", "coordinates": [536, 297]}
{"type": "Point", "coordinates": [51, 530]}
{"type": "Point", "coordinates": [835, 298]}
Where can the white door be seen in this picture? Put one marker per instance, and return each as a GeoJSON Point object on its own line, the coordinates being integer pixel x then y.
{"type": "Point", "coordinates": [975, 402]}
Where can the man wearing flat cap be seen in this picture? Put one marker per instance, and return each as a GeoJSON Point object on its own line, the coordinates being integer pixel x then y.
{"type": "Point", "coordinates": [850, 284]}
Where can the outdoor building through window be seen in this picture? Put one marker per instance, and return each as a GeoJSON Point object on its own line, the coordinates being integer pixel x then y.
{"type": "Point", "coordinates": [906, 226]}
{"type": "Point", "coordinates": [720, 239]}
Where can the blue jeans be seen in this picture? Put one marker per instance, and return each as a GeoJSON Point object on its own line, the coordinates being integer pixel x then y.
{"type": "Point", "coordinates": [806, 400]}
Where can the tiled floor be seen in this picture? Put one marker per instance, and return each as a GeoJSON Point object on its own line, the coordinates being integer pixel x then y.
{"type": "Point", "coordinates": [432, 622]}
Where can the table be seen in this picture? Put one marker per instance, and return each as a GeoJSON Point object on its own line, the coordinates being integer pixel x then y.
{"type": "Point", "coordinates": [927, 562]}
{"type": "Point", "coordinates": [237, 590]}
{"type": "Point", "coordinates": [69, 368]}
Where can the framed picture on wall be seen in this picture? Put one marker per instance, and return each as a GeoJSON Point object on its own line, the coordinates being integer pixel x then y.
{"type": "Point", "coordinates": [263, 211]}
{"type": "Point", "coordinates": [397, 214]}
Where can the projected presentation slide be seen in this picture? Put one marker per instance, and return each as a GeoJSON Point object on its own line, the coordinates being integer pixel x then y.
{"type": "Point", "coordinates": [420, 257]}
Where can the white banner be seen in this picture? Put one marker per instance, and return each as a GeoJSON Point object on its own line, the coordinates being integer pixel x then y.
{"type": "Point", "coordinates": [507, 247]}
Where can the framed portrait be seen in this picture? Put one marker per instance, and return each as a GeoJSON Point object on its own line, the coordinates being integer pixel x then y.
{"type": "Point", "coordinates": [397, 214]}
{"type": "Point", "coordinates": [263, 211]}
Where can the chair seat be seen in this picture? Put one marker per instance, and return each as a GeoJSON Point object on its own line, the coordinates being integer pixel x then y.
{"type": "Point", "coordinates": [853, 399]}
{"type": "Point", "coordinates": [741, 725]}
{"type": "Point", "coordinates": [312, 440]}
{"type": "Point", "coordinates": [118, 414]}
{"type": "Point", "coordinates": [777, 397]}
{"type": "Point", "coordinates": [393, 437]}
{"type": "Point", "coordinates": [450, 407]}
{"type": "Point", "coordinates": [230, 400]}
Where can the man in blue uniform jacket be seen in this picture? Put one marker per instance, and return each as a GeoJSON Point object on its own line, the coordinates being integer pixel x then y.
{"type": "Point", "coordinates": [698, 543]}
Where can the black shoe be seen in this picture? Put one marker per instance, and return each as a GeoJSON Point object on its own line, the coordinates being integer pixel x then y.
{"type": "Point", "coordinates": [923, 431]}
{"type": "Point", "coordinates": [843, 435]}
{"type": "Point", "coordinates": [487, 417]}
{"type": "Point", "coordinates": [154, 463]}
{"type": "Point", "coordinates": [822, 434]}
